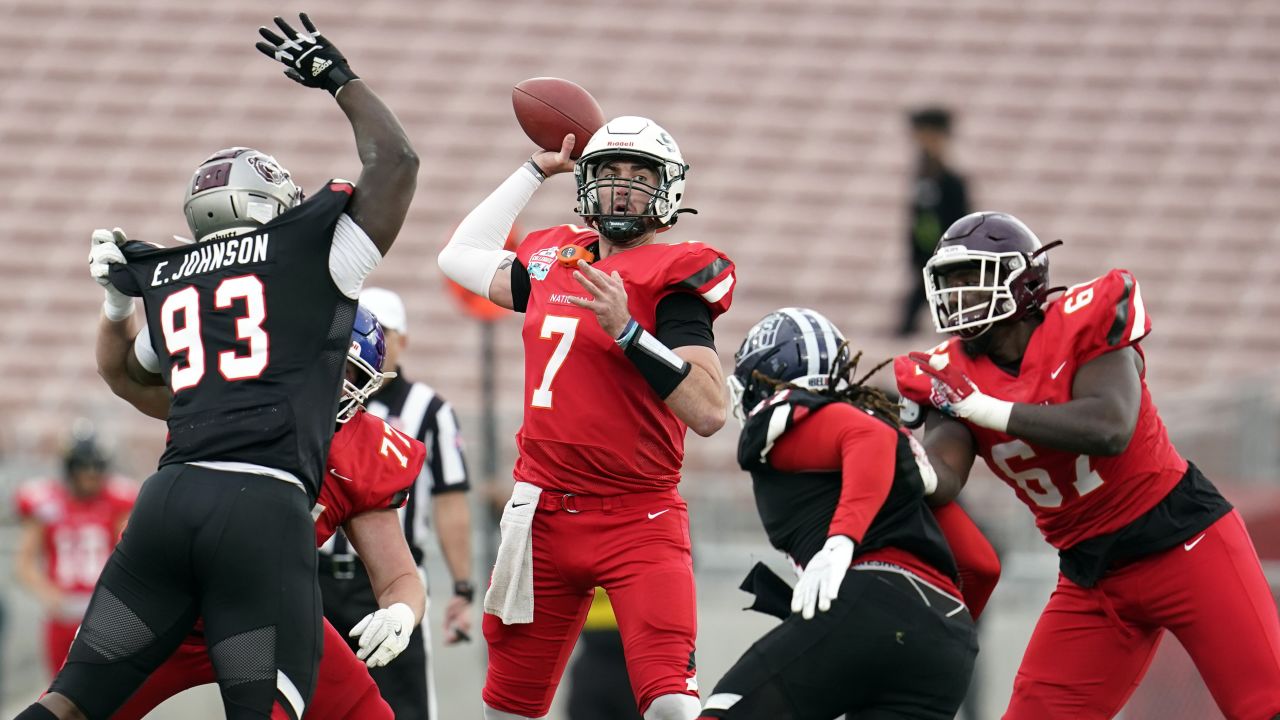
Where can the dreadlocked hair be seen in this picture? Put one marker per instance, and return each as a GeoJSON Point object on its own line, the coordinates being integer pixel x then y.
{"type": "Point", "coordinates": [855, 392]}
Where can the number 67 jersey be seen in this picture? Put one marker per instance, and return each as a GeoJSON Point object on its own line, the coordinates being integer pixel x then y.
{"type": "Point", "coordinates": [1073, 497]}
{"type": "Point", "coordinates": [251, 332]}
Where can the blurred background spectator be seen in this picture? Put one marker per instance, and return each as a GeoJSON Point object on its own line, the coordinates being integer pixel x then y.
{"type": "Point", "coordinates": [1145, 133]}
{"type": "Point", "coordinates": [940, 196]}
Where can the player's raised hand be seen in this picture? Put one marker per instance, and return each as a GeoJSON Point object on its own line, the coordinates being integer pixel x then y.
{"type": "Point", "coordinates": [958, 396]}
{"type": "Point", "coordinates": [309, 57]}
{"type": "Point", "coordinates": [820, 582]}
{"type": "Point", "coordinates": [554, 162]}
{"type": "Point", "coordinates": [104, 251]}
{"type": "Point", "coordinates": [950, 384]}
{"type": "Point", "coordinates": [609, 297]}
{"type": "Point", "coordinates": [384, 634]}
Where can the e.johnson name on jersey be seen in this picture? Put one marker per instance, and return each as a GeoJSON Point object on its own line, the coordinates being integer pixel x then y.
{"type": "Point", "coordinates": [214, 255]}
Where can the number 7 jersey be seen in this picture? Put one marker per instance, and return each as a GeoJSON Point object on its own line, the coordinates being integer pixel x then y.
{"type": "Point", "coordinates": [252, 335]}
{"type": "Point", "coordinates": [592, 425]}
{"type": "Point", "coordinates": [1074, 497]}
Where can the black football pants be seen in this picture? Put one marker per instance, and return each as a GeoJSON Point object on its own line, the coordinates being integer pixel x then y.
{"type": "Point", "coordinates": [237, 549]}
{"type": "Point", "coordinates": [890, 648]}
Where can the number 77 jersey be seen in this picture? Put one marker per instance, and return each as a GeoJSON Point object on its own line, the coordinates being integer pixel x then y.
{"type": "Point", "coordinates": [592, 424]}
{"type": "Point", "coordinates": [1074, 497]}
{"type": "Point", "coordinates": [252, 333]}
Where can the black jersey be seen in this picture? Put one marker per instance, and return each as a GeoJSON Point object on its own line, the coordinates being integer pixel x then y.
{"type": "Point", "coordinates": [796, 508]}
{"type": "Point", "coordinates": [252, 336]}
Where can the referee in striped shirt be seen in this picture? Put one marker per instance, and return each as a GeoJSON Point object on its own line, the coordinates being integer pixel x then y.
{"type": "Point", "coordinates": [415, 409]}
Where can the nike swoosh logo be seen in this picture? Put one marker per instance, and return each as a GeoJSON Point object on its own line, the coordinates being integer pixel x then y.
{"type": "Point", "coordinates": [516, 505]}
{"type": "Point", "coordinates": [1193, 543]}
{"type": "Point", "coordinates": [654, 515]}
{"type": "Point", "coordinates": [1054, 375]}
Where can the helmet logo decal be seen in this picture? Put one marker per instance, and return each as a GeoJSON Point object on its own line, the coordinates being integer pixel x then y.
{"type": "Point", "coordinates": [268, 169]}
{"type": "Point", "coordinates": [666, 141]}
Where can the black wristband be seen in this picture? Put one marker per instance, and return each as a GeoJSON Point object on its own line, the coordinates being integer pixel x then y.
{"type": "Point", "coordinates": [661, 368]}
{"type": "Point", "coordinates": [465, 590]}
{"type": "Point", "coordinates": [533, 166]}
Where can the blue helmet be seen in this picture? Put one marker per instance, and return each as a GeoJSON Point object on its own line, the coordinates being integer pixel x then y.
{"type": "Point", "coordinates": [368, 350]}
{"type": "Point", "coordinates": [793, 345]}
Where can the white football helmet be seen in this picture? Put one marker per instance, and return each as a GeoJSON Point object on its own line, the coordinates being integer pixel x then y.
{"type": "Point", "coordinates": [235, 191]}
{"type": "Point", "coordinates": [646, 141]}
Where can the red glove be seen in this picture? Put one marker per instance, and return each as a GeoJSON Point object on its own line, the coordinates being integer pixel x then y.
{"type": "Point", "coordinates": [956, 395]}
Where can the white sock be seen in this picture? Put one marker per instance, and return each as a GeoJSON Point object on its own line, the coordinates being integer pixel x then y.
{"type": "Point", "coordinates": [673, 707]}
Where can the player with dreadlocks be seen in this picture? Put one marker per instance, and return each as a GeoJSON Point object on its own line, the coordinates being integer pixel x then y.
{"type": "Point", "coordinates": [840, 486]}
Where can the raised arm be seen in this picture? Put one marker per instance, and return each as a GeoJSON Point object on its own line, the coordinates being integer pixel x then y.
{"type": "Point", "coordinates": [1101, 416]}
{"type": "Point", "coordinates": [118, 362]}
{"type": "Point", "coordinates": [1099, 419]}
{"type": "Point", "coordinates": [951, 451]}
{"type": "Point", "coordinates": [475, 257]}
{"type": "Point", "coordinates": [119, 366]}
{"type": "Point", "coordinates": [390, 165]}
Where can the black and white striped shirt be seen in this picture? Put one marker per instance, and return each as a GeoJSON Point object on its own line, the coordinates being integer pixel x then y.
{"type": "Point", "coordinates": [417, 410]}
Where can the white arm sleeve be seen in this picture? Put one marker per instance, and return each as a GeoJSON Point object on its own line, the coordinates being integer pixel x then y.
{"type": "Point", "coordinates": [476, 249]}
{"type": "Point", "coordinates": [351, 257]}
{"type": "Point", "coordinates": [146, 354]}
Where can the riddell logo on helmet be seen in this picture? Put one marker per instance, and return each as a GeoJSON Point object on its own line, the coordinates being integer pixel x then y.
{"type": "Point", "coordinates": [621, 143]}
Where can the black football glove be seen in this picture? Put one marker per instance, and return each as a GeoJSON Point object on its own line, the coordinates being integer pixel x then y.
{"type": "Point", "coordinates": [310, 58]}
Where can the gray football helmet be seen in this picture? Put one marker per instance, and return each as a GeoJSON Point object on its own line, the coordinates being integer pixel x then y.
{"type": "Point", "coordinates": [235, 191]}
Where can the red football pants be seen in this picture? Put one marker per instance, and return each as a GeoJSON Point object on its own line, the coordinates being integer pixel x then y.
{"type": "Point", "coordinates": [58, 637]}
{"type": "Point", "coordinates": [344, 690]}
{"type": "Point", "coordinates": [1091, 647]}
{"type": "Point", "coordinates": [641, 556]}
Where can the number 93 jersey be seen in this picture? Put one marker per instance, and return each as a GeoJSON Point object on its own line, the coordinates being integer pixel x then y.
{"type": "Point", "coordinates": [252, 335]}
{"type": "Point", "coordinates": [1074, 497]}
{"type": "Point", "coordinates": [592, 424]}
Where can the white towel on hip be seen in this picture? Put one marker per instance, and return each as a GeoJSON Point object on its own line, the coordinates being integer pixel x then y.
{"type": "Point", "coordinates": [510, 594]}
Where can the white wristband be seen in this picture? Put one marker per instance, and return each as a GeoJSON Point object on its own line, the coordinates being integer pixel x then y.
{"type": "Point", "coordinates": [985, 411]}
{"type": "Point", "coordinates": [117, 307]}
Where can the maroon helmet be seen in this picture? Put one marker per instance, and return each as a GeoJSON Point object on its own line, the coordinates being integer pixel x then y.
{"type": "Point", "coordinates": [988, 267]}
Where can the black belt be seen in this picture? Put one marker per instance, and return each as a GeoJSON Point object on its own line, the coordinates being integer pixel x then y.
{"type": "Point", "coordinates": [339, 567]}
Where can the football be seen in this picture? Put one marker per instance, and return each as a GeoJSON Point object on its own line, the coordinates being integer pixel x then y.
{"type": "Point", "coordinates": [549, 108]}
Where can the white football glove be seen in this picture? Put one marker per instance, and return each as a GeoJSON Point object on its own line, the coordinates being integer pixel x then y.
{"type": "Point", "coordinates": [104, 249]}
{"type": "Point", "coordinates": [384, 634]}
{"type": "Point", "coordinates": [820, 582]}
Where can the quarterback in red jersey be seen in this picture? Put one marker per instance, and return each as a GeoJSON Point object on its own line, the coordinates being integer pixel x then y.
{"type": "Point", "coordinates": [1053, 396]}
{"type": "Point", "coordinates": [619, 361]}
{"type": "Point", "coordinates": [69, 527]}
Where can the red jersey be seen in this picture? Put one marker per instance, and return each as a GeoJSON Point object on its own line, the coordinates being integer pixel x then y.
{"type": "Point", "coordinates": [592, 425]}
{"type": "Point", "coordinates": [371, 466]}
{"type": "Point", "coordinates": [1074, 497]}
{"type": "Point", "coordinates": [79, 533]}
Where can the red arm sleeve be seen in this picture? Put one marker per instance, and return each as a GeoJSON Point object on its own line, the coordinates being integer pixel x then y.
{"type": "Point", "coordinates": [975, 558]}
{"type": "Point", "coordinates": [863, 448]}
